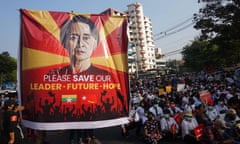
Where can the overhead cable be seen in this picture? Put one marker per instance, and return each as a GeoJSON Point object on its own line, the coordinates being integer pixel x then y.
{"type": "Point", "coordinates": [174, 27]}
{"type": "Point", "coordinates": [176, 31]}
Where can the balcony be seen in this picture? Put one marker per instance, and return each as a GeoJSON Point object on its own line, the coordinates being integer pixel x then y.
{"type": "Point", "coordinates": [139, 27]}
{"type": "Point", "coordinates": [139, 20]}
{"type": "Point", "coordinates": [144, 59]}
{"type": "Point", "coordinates": [131, 60]}
{"type": "Point", "coordinates": [142, 44]}
{"type": "Point", "coordinates": [141, 38]}
{"type": "Point", "coordinates": [131, 53]}
{"type": "Point", "coordinates": [138, 15]}
{"type": "Point", "coordinates": [142, 52]}
{"type": "Point", "coordinates": [138, 11]}
{"type": "Point", "coordinates": [144, 66]}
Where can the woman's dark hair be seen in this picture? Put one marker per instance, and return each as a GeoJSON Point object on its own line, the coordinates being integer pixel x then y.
{"type": "Point", "coordinates": [65, 30]}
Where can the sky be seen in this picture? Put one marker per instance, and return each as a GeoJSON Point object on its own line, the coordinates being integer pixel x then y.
{"type": "Point", "coordinates": [165, 15]}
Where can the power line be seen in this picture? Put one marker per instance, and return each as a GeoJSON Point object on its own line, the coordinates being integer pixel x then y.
{"type": "Point", "coordinates": [173, 52]}
{"type": "Point", "coordinates": [176, 31]}
{"type": "Point", "coordinates": [177, 41]}
{"type": "Point", "coordinates": [174, 27]}
{"type": "Point", "coordinates": [173, 30]}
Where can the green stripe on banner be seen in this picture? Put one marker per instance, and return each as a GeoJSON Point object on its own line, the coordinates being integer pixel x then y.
{"type": "Point", "coordinates": [69, 98]}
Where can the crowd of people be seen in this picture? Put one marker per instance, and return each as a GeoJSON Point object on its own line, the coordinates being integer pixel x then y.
{"type": "Point", "coordinates": [198, 107]}
{"type": "Point", "coordinates": [171, 108]}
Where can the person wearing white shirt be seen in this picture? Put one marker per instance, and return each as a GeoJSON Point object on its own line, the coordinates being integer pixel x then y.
{"type": "Point", "coordinates": [212, 113]}
{"type": "Point", "coordinates": [169, 127]}
{"type": "Point", "coordinates": [221, 109]}
{"type": "Point", "coordinates": [134, 122]}
{"type": "Point", "coordinates": [156, 110]}
{"type": "Point", "coordinates": [174, 109]}
{"type": "Point", "coordinates": [188, 107]}
{"type": "Point", "coordinates": [185, 100]}
{"type": "Point", "coordinates": [229, 96]}
{"type": "Point", "coordinates": [151, 96]}
{"type": "Point", "coordinates": [2, 100]}
{"type": "Point", "coordinates": [141, 112]}
{"type": "Point", "coordinates": [187, 126]}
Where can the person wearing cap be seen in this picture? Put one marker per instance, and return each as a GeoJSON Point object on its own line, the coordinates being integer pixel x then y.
{"type": "Point", "coordinates": [231, 117]}
{"type": "Point", "coordinates": [219, 133]}
{"type": "Point", "coordinates": [213, 135]}
{"type": "Point", "coordinates": [11, 122]}
{"type": "Point", "coordinates": [223, 132]}
{"type": "Point", "coordinates": [187, 127]}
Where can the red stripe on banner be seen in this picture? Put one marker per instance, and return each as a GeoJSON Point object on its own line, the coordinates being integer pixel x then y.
{"type": "Point", "coordinates": [116, 41]}
{"type": "Point", "coordinates": [35, 36]}
{"type": "Point", "coordinates": [99, 22]}
{"type": "Point", "coordinates": [60, 17]}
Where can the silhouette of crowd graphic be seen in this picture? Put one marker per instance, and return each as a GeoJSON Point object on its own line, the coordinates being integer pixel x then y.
{"type": "Point", "coordinates": [51, 111]}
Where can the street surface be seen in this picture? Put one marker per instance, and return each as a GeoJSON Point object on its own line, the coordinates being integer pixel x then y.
{"type": "Point", "coordinates": [110, 135]}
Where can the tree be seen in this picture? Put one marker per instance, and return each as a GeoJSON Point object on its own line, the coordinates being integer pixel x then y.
{"type": "Point", "coordinates": [195, 55]}
{"type": "Point", "coordinates": [219, 22]}
{"type": "Point", "coordinates": [8, 69]}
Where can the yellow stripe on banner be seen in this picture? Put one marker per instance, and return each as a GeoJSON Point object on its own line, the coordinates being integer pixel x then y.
{"type": "Point", "coordinates": [110, 25]}
{"type": "Point", "coordinates": [46, 20]}
{"type": "Point", "coordinates": [35, 59]}
{"type": "Point", "coordinates": [75, 14]}
{"type": "Point", "coordinates": [69, 96]}
{"type": "Point", "coordinates": [118, 62]}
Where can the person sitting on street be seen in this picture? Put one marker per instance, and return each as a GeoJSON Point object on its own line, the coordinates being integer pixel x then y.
{"type": "Point", "coordinates": [152, 133]}
{"type": "Point", "coordinates": [187, 126]}
{"type": "Point", "coordinates": [169, 127]}
{"type": "Point", "coordinates": [134, 122]}
{"type": "Point", "coordinates": [156, 110]}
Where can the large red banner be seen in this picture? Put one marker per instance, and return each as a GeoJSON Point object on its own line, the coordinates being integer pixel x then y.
{"type": "Point", "coordinates": [74, 72]}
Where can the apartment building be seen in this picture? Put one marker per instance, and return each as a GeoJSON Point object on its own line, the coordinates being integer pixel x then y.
{"type": "Point", "coordinates": [141, 51]}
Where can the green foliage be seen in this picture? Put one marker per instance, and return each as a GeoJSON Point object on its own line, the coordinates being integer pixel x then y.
{"type": "Point", "coordinates": [193, 55]}
{"type": "Point", "coordinates": [219, 42]}
{"type": "Point", "coordinates": [8, 68]}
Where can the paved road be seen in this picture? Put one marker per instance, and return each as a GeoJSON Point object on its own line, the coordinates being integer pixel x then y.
{"type": "Point", "coordinates": [111, 135]}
